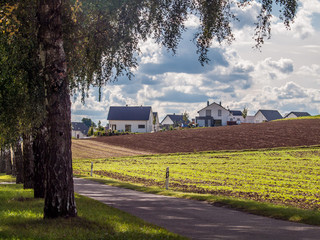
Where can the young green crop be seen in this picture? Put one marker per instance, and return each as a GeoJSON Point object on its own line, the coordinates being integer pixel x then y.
{"type": "Point", "coordinates": [285, 176]}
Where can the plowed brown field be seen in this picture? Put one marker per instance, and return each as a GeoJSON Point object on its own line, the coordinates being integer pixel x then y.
{"type": "Point", "coordinates": [246, 136]}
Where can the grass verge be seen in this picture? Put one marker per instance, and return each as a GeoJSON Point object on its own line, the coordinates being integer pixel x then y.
{"type": "Point", "coordinates": [283, 212]}
{"type": "Point", "coordinates": [21, 218]}
{"type": "Point", "coordinates": [298, 118]}
{"type": "Point", "coordinates": [6, 178]}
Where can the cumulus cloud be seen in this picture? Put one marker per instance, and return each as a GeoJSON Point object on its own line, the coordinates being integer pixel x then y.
{"type": "Point", "coordinates": [247, 15]}
{"type": "Point", "coordinates": [313, 70]}
{"type": "Point", "coordinates": [283, 65]}
{"type": "Point", "coordinates": [286, 98]}
{"type": "Point", "coordinates": [290, 91]}
{"type": "Point", "coordinates": [303, 26]}
{"type": "Point", "coordinates": [269, 70]}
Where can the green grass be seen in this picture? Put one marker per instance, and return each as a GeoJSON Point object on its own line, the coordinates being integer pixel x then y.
{"type": "Point", "coordinates": [263, 181]}
{"type": "Point", "coordinates": [6, 178]}
{"type": "Point", "coordinates": [298, 118]}
{"type": "Point", "coordinates": [21, 218]}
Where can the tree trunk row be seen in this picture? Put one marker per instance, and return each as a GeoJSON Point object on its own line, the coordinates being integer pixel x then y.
{"type": "Point", "coordinates": [2, 162]}
{"type": "Point", "coordinates": [18, 161]}
{"type": "Point", "coordinates": [5, 161]}
{"type": "Point", "coordinates": [28, 162]}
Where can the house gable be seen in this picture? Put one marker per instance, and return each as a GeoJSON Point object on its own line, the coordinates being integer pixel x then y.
{"type": "Point", "coordinates": [297, 114]}
{"type": "Point", "coordinates": [267, 115]}
{"type": "Point", "coordinates": [213, 115]}
{"type": "Point", "coordinates": [132, 119]}
{"type": "Point", "coordinates": [79, 129]}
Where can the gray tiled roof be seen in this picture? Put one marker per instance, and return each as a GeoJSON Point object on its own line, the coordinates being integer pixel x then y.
{"type": "Point", "coordinates": [80, 126]}
{"type": "Point", "coordinates": [300, 114]}
{"type": "Point", "coordinates": [271, 114]}
{"type": "Point", "coordinates": [129, 113]}
{"type": "Point", "coordinates": [236, 113]}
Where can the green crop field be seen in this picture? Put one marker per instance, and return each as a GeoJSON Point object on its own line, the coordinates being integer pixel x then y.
{"type": "Point", "coordinates": [283, 176]}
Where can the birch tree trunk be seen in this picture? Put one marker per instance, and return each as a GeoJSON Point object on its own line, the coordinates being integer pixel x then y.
{"type": "Point", "coordinates": [7, 156]}
{"type": "Point", "coordinates": [2, 162]}
{"type": "Point", "coordinates": [13, 161]}
{"type": "Point", "coordinates": [39, 153]}
{"type": "Point", "coordinates": [18, 161]}
{"type": "Point", "coordinates": [59, 191]}
{"type": "Point", "coordinates": [28, 162]}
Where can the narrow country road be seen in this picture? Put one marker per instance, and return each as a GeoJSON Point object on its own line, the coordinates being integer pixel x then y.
{"type": "Point", "coordinates": [194, 219]}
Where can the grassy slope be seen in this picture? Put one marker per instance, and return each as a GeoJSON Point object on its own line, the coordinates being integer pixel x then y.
{"type": "Point", "coordinates": [298, 118]}
{"type": "Point", "coordinates": [21, 218]}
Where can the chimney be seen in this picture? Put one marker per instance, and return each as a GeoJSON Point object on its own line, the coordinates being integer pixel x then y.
{"type": "Point", "coordinates": [207, 103]}
{"type": "Point", "coordinates": [220, 103]}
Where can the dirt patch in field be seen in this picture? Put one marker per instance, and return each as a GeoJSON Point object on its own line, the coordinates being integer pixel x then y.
{"type": "Point", "coordinates": [88, 149]}
{"type": "Point", "coordinates": [246, 136]}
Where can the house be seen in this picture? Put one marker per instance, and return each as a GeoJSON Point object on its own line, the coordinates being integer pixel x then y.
{"type": "Point", "coordinates": [235, 117]}
{"type": "Point", "coordinates": [155, 122]}
{"type": "Point", "coordinates": [79, 130]}
{"type": "Point", "coordinates": [131, 119]}
{"type": "Point", "coordinates": [297, 114]}
{"type": "Point", "coordinates": [266, 116]}
{"type": "Point", "coordinates": [212, 115]}
{"type": "Point", "coordinates": [249, 119]}
{"type": "Point", "coordinates": [174, 120]}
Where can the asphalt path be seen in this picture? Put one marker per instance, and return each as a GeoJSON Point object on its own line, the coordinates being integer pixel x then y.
{"type": "Point", "coordinates": [195, 219]}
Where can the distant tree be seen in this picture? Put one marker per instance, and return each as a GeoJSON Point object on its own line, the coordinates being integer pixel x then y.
{"type": "Point", "coordinates": [100, 128]}
{"type": "Point", "coordinates": [185, 117]}
{"type": "Point", "coordinates": [245, 112]}
{"type": "Point", "coordinates": [88, 122]}
{"type": "Point", "coordinates": [90, 132]}
{"type": "Point", "coordinates": [154, 121]}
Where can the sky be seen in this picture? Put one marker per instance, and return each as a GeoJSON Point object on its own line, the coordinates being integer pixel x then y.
{"type": "Point", "coordinates": [283, 76]}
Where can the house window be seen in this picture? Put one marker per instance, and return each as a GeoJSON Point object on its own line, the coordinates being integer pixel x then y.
{"type": "Point", "coordinates": [113, 127]}
{"type": "Point", "coordinates": [219, 113]}
{"type": "Point", "coordinates": [127, 128]}
{"type": "Point", "coordinates": [208, 112]}
{"type": "Point", "coordinates": [141, 126]}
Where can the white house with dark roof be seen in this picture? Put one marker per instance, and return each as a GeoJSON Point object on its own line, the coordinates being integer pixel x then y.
{"type": "Point", "coordinates": [266, 116]}
{"type": "Point", "coordinates": [236, 116]}
{"type": "Point", "coordinates": [131, 119]}
{"type": "Point", "coordinates": [212, 115]}
{"type": "Point", "coordinates": [79, 130]}
{"type": "Point", "coordinates": [174, 120]}
{"type": "Point", "coordinates": [297, 114]}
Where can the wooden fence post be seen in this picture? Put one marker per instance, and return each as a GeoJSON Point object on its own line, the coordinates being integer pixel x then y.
{"type": "Point", "coordinates": [167, 178]}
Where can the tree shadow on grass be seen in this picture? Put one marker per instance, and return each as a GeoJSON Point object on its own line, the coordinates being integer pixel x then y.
{"type": "Point", "coordinates": [21, 217]}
